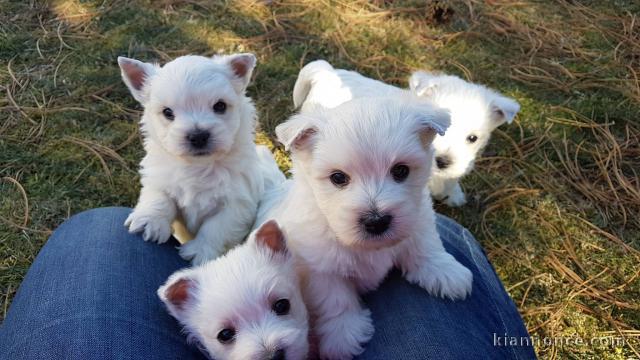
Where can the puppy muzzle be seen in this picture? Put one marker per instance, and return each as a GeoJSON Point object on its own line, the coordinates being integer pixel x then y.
{"type": "Point", "coordinates": [375, 223]}
{"type": "Point", "coordinates": [279, 354]}
{"type": "Point", "coordinates": [200, 142]}
{"type": "Point", "coordinates": [443, 162]}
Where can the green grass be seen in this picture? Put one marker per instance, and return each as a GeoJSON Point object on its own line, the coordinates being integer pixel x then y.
{"type": "Point", "coordinates": [554, 201]}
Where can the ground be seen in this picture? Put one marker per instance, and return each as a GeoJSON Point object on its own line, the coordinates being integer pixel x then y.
{"type": "Point", "coordinates": [555, 199]}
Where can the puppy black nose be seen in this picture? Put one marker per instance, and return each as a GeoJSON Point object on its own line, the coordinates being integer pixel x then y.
{"type": "Point", "coordinates": [443, 162]}
{"type": "Point", "coordinates": [375, 223]}
{"type": "Point", "coordinates": [278, 355]}
{"type": "Point", "coordinates": [199, 138]}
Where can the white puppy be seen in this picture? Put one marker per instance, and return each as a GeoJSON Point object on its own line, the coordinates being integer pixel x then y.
{"type": "Point", "coordinates": [357, 206]}
{"type": "Point", "coordinates": [475, 112]}
{"type": "Point", "coordinates": [246, 304]}
{"type": "Point", "coordinates": [201, 167]}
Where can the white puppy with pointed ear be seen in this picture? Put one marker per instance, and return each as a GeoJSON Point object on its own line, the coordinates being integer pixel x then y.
{"type": "Point", "coordinates": [246, 304]}
{"type": "Point", "coordinates": [357, 206]}
{"type": "Point", "coordinates": [475, 112]}
{"type": "Point", "coordinates": [201, 166]}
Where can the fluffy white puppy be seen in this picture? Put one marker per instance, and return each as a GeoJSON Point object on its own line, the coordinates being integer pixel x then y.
{"type": "Point", "coordinates": [201, 167]}
{"type": "Point", "coordinates": [357, 206]}
{"type": "Point", "coordinates": [475, 112]}
{"type": "Point", "coordinates": [246, 304]}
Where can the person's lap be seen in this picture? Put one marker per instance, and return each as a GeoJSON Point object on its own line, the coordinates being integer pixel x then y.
{"type": "Point", "coordinates": [91, 294]}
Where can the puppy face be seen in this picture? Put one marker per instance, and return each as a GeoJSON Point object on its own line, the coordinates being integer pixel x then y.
{"type": "Point", "coordinates": [366, 162]}
{"type": "Point", "coordinates": [191, 104]}
{"type": "Point", "coordinates": [244, 305]}
{"type": "Point", "coordinates": [475, 112]}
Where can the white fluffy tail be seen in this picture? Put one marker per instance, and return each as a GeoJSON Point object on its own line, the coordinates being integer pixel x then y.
{"type": "Point", "coordinates": [273, 177]}
{"type": "Point", "coordinates": [276, 185]}
{"type": "Point", "coordinates": [305, 80]}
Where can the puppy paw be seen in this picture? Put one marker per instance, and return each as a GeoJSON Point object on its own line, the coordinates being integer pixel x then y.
{"type": "Point", "coordinates": [443, 276]}
{"type": "Point", "coordinates": [153, 228]}
{"type": "Point", "coordinates": [199, 251]}
{"type": "Point", "coordinates": [438, 196]}
{"type": "Point", "coordinates": [456, 198]}
{"type": "Point", "coordinates": [344, 336]}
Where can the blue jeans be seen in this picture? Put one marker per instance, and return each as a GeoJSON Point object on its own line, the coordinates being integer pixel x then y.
{"type": "Point", "coordinates": [91, 294]}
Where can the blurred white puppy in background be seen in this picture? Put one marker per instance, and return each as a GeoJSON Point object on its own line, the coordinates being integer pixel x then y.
{"type": "Point", "coordinates": [201, 166]}
{"type": "Point", "coordinates": [357, 206]}
{"type": "Point", "coordinates": [246, 304]}
{"type": "Point", "coordinates": [475, 112]}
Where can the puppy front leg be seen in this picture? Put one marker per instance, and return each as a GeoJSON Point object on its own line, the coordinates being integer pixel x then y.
{"type": "Point", "coordinates": [228, 226]}
{"type": "Point", "coordinates": [425, 262]}
{"type": "Point", "coordinates": [152, 215]}
{"type": "Point", "coordinates": [342, 325]}
{"type": "Point", "coordinates": [437, 187]}
{"type": "Point", "coordinates": [455, 195]}
{"type": "Point", "coordinates": [447, 190]}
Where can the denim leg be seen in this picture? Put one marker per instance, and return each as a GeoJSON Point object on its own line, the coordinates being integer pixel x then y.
{"type": "Point", "coordinates": [91, 294]}
{"type": "Point", "coordinates": [410, 324]}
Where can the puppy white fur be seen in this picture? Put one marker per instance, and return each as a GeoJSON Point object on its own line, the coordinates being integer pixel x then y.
{"type": "Point", "coordinates": [357, 206]}
{"type": "Point", "coordinates": [201, 167]}
{"type": "Point", "coordinates": [475, 112]}
{"type": "Point", "coordinates": [246, 304]}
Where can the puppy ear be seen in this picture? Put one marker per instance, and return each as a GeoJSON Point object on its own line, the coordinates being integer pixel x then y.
{"type": "Point", "coordinates": [178, 292]}
{"type": "Point", "coordinates": [422, 83]}
{"type": "Point", "coordinates": [504, 109]}
{"type": "Point", "coordinates": [270, 236]}
{"type": "Point", "coordinates": [297, 133]}
{"type": "Point", "coordinates": [242, 66]}
{"type": "Point", "coordinates": [135, 75]}
{"type": "Point", "coordinates": [432, 121]}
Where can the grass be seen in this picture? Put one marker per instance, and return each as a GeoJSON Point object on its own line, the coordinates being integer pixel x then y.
{"type": "Point", "coordinates": [555, 199]}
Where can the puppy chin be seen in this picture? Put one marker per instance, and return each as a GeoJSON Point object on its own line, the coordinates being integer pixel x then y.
{"type": "Point", "coordinates": [377, 242]}
{"type": "Point", "coordinates": [361, 240]}
{"type": "Point", "coordinates": [201, 153]}
{"type": "Point", "coordinates": [212, 152]}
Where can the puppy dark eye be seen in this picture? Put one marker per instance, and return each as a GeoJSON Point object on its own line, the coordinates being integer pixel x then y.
{"type": "Point", "coordinates": [220, 107]}
{"type": "Point", "coordinates": [339, 179]}
{"type": "Point", "coordinates": [168, 113]}
{"type": "Point", "coordinates": [226, 336]}
{"type": "Point", "coordinates": [400, 172]}
{"type": "Point", "coordinates": [281, 307]}
{"type": "Point", "coordinates": [471, 139]}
